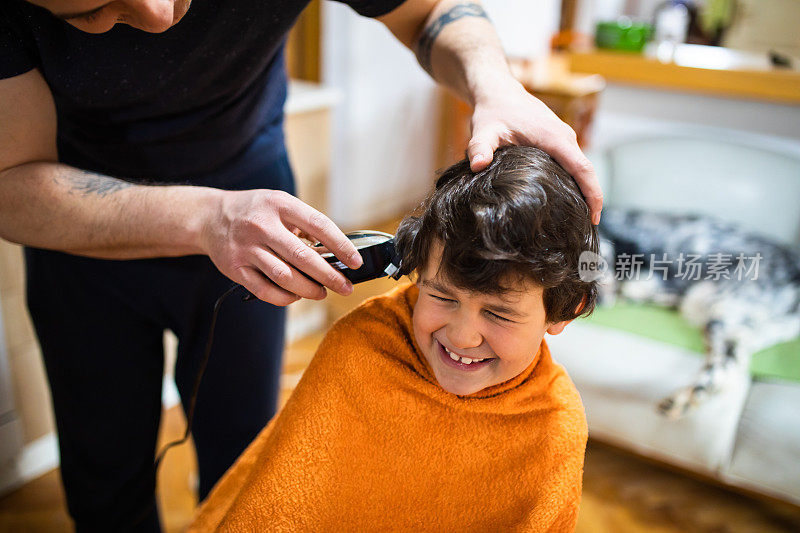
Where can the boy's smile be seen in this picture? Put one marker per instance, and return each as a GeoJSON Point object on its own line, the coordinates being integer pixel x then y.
{"type": "Point", "coordinates": [462, 361]}
{"type": "Point", "coordinates": [474, 340]}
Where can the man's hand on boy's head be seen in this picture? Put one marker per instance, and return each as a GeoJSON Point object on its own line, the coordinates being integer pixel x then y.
{"type": "Point", "coordinates": [514, 116]}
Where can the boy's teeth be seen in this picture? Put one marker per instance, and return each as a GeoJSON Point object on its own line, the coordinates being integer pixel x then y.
{"type": "Point", "coordinates": [465, 360]}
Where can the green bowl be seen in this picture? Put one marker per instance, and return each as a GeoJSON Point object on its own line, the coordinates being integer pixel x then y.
{"type": "Point", "coordinates": [622, 34]}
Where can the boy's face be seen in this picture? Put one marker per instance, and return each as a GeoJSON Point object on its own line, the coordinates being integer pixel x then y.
{"type": "Point", "coordinates": [494, 336]}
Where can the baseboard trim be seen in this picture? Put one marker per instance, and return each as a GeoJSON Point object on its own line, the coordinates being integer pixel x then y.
{"type": "Point", "coordinates": [36, 458]}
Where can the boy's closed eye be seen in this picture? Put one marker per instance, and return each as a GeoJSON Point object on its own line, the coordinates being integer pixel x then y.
{"type": "Point", "coordinates": [491, 314]}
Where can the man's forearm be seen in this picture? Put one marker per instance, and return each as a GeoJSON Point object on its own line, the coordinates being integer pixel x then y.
{"type": "Point", "coordinates": [458, 47]}
{"type": "Point", "coordinates": [55, 206]}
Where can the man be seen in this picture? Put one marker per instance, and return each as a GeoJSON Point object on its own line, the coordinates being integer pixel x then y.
{"type": "Point", "coordinates": [150, 130]}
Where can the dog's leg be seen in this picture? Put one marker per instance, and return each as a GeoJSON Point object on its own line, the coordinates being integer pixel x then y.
{"type": "Point", "coordinates": [728, 357]}
{"type": "Point", "coordinates": [740, 321]}
{"type": "Point", "coordinates": [703, 306]}
{"type": "Point", "coordinates": [713, 377]}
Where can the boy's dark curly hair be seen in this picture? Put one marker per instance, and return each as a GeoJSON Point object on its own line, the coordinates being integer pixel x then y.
{"type": "Point", "coordinates": [523, 217]}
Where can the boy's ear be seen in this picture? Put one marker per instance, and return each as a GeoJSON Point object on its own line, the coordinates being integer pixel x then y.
{"type": "Point", "coordinates": [557, 327]}
{"type": "Point", "coordinates": [581, 305]}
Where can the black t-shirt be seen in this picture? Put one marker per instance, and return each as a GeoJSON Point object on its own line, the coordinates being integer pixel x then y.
{"type": "Point", "coordinates": [166, 106]}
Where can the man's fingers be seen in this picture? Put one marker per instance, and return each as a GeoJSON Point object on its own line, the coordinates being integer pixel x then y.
{"type": "Point", "coordinates": [287, 277]}
{"type": "Point", "coordinates": [314, 223]}
{"type": "Point", "coordinates": [305, 259]}
{"type": "Point", "coordinates": [578, 165]}
{"type": "Point", "coordinates": [302, 235]}
{"type": "Point", "coordinates": [263, 289]}
{"type": "Point", "coordinates": [596, 208]}
{"type": "Point", "coordinates": [480, 150]}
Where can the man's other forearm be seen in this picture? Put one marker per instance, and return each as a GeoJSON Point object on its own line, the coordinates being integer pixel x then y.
{"type": "Point", "coordinates": [458, 46]}
{"type": "Point", "coordinates": [58, 207]}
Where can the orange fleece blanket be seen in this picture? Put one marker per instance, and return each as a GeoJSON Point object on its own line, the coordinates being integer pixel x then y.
{"type": "Point", "coordinates": [368, 441]}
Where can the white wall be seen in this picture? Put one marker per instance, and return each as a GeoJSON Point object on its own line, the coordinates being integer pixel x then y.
{"type": "Point", "coordinates": [525, 27]}
{"type": "Point", "coordinates": [386, 130]}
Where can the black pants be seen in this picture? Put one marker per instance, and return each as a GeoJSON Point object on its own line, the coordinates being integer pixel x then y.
{"type": "Point", "coordinates": [100, 324]}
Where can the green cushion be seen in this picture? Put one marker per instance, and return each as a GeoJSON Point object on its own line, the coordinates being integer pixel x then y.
{"type": "Point", "coordinates": [781, 361]}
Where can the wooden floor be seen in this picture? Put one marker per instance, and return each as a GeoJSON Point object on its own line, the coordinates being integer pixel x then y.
{"type": "Point", "coordinates": [622, 493]}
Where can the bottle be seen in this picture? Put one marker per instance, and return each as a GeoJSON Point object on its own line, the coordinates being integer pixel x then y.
{"type": "Point", "coordinates": [671, 21]}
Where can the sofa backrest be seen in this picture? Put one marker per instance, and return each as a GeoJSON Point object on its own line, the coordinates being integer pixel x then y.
{"type": "Point", "coordinates": [745, 179]}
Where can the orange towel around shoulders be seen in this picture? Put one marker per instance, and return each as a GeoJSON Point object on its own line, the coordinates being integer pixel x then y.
{"type": "Point", "coordinates": [368, 441]}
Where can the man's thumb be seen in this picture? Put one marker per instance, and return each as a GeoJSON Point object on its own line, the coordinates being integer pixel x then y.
{"type": "Point", "coordinates": [479, 153]}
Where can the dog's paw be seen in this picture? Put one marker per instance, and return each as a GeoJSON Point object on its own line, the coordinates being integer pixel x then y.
{"type": "Point", "coordinates": [676, 406]}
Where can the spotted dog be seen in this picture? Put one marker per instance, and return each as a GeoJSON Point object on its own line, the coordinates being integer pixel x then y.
{"type": "Point", "coordinates": [740, 288]}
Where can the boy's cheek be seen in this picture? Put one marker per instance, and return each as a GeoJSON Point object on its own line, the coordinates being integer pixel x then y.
{"type": "Point", "coordinates": [510, 367]}
{"type": "Point", "coordinates": [423, 328]}
{"type": "Point", "coordinates": [428, 319]}
{"type": "Point", "coordinates": [517, 356]}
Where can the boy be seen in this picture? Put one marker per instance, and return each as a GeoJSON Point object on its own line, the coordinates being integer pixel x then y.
{"type": "Point", "coordinates": [437, 406]}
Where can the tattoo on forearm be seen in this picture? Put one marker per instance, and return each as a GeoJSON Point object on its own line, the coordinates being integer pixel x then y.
{"type": "Point", "coordinates": [87, 183]}
{"type": "Point", "coordinates": [432, 30]}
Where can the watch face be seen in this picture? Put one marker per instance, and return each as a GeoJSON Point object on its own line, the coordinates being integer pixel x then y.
{"type": "Point", "coordinates": [377, 251]}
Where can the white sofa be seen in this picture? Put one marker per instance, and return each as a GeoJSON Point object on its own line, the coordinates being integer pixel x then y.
{"type": "Point", "coordinates": [747, 436]}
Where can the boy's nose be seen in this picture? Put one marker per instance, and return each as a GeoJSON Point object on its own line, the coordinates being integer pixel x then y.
{"type": "Point", "coordinates": [463, 334]}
